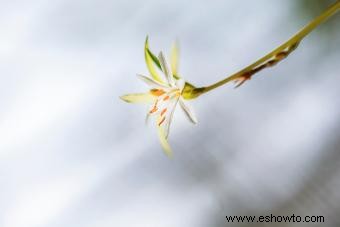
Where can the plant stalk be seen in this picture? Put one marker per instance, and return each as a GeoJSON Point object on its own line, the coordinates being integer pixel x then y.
{"type": "Point", "coordinates": [271, 58]}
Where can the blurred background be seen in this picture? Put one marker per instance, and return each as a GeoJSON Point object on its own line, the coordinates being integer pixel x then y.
{"type": "Point", "coordinates": [73, 154]}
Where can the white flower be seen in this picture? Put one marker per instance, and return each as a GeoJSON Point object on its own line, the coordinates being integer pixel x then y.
{"type": "Point", "coordinates": [164, 95]}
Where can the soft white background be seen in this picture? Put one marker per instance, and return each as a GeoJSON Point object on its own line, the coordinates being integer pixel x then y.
{"type": "Point", "coordinates": [73, 154]}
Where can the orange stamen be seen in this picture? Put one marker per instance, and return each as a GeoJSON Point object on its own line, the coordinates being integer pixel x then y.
{"type": "Point", "coordinates": [157, 92]}
{"type": "Point", "coordinates": [154, 109]}
{"type": "Point", "coordinates": [166, 98]}
{"type": "Point", "coordinates": [163, 111]}
{"type": "Point", "coordinates": [163, 119]}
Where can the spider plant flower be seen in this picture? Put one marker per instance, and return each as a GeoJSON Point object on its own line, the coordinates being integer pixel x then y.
{"type": "Point", "coordinates": [167, 89]}
{"type": "Point", "coordinates": [164, 95]}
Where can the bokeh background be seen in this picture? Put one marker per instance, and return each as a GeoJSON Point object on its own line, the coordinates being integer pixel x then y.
{"type": "Point", "coordinates": [73, 154]}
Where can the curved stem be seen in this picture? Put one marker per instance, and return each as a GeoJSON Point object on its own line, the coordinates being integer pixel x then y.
{"type": "Point", "coordinates": [277, 54]}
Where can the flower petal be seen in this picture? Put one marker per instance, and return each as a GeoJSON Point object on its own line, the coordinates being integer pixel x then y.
{"type": "Point", "coordinates": [147, 118]}
{"type": "Point", "coordinates": [174, 56]}
{"type": "Point", "coordinates": [165, 144]}
{"type": "Point", "coordinates": [152, 62]}
{"type": "Point", "coordinates": [169, 115]}
{"type": "Point", "coordinates": [138, 98]}
{"type": "Point", "coordinates": [152, 83]}
{"type": "Point", "coordinates": [166, 69]}
{"type": "Point", "coordinates": [188, 111]}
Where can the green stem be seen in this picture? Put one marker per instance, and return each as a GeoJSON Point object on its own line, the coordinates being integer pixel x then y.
{"type": "Point", "coordinates": [264, 62]}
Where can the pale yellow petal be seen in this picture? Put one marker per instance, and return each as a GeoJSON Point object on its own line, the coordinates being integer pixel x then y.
{"type": "Point", "coordinates": [174, 58]}
{"type": "Point", "coordinates": [164, 142]}
{"type": "Point", "coordinates": [147, 118]}
{"type": "Point", "coordinates": [138, 98]}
